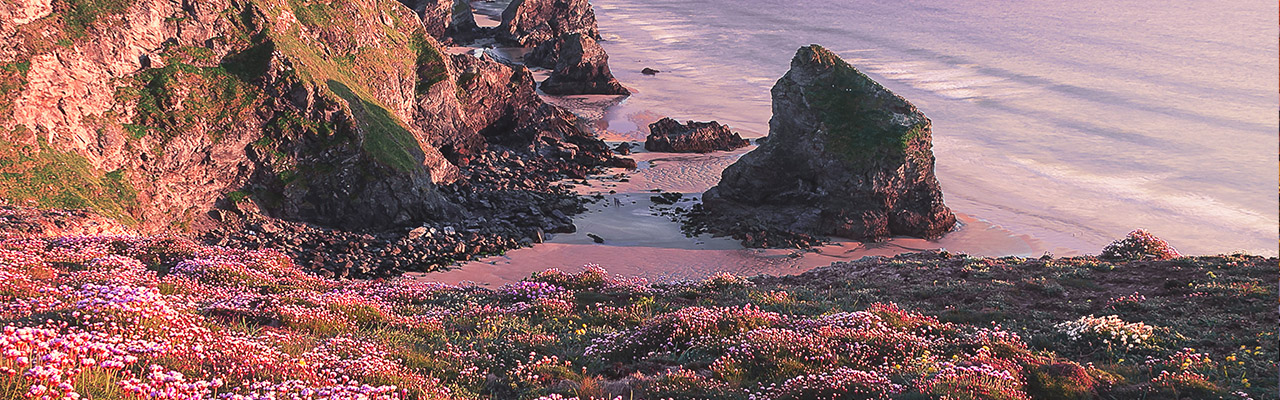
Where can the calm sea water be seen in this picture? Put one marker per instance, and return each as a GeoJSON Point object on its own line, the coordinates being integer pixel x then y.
{"type": "Point", "coordinates": [1068, 122]}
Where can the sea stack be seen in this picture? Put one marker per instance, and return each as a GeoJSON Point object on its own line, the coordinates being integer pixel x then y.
{"type": "Point", "coordinates": [845, 157]}
{"type": "Point", "coordinates": [581, 67]}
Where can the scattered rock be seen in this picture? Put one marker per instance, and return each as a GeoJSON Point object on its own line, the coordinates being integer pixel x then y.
{"type": "Point", "coordinates": [582, 67]}
{"type": "Point", "coordinates": [595, 238]}
{"type": "Point", "coordinates": [649, 71]}
{"type": "Point", "coordinates": [623, 149]}
{"type": "Point", "coordinates": [846, 157]}
{"type": "Point", "coordinates": [670, 136]}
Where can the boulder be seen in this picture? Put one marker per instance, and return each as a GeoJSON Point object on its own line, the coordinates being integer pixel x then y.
{"type": "Point", "coordinates": [845, 157]}
{"type": "Point", "coordinates": [530, 22]}
{"type": "Point", "coordinates": [582, 67]}
{"type": "Point", "coordinates": [670, 136]}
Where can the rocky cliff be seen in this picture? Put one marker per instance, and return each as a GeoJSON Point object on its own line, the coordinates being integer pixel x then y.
{"type": "Point", "coordinates": [530, 22]}
{"type": "Point", "coordinates": [343, 113]}
{"type": "Point", "coordinates": [845, 157]}
{"type": "Point", "coordinates": [581, 67]}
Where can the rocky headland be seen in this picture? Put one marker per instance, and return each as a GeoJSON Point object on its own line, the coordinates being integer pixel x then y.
{"type": "Point", "coordinates": [669, 136]}
{"type": "Point", "coordinates": [845, 157]}
{"type": "Point", "coordinates": [339, 120]}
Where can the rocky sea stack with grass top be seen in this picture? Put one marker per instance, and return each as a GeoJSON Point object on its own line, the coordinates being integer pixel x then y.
{"type": "Point", "coordinates": [845, 157]}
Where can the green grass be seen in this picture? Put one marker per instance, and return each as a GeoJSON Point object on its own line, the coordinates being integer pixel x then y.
{"type": "Point", "coordinates": [1221, 304]}
{"type": "Point", "coordinates": [857, 121]}
{"type": "Point", "coordinates": [213, 101]}
{"type": "Point", "coordinates": [386, 140]}
{"type": "Point", "coordinates": [350, 75]}
{"type": "Point", "coordinates": [251, 63]}
{"type": "Point", "coordinates": [78, 15]}
{"type": "Point", "coordinates": [430, 65]}
{"type": "Point", "coordinates": [57, 179]}
{"type": "Point", "coordinates": [13, 78]}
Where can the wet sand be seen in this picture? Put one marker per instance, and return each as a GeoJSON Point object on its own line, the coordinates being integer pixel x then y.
{"type": "Point", "coordinates": [640, 242]}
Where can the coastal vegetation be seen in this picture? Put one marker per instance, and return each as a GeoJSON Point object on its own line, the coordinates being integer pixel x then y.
{"type": "Point", "coordinates": [167, 317]}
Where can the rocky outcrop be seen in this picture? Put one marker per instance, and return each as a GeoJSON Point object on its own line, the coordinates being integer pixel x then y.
{"type": "Point", "coordinates": [494, 107]}
{"type": "Point", "coordinates": [845, 157]}
{"type": "Point", "coordinates": [581, 67]}
{"type": "Point", "coordinates": [444, 18]}
{"type": "Point", "coordinates": [670, 136]}
{"type": "Point", "coordinates": [346, 115]}
{"type": "Point", "coordinates": [530, 22]}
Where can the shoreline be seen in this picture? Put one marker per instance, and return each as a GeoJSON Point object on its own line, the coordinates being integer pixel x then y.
{"type": "Point", "coordinates": [653, 245]}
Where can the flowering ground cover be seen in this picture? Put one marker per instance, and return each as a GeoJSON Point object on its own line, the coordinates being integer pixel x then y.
{"type": "Point", "coordinates": [168, 318]}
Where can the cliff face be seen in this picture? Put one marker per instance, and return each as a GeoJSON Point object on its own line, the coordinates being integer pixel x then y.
{"type": "Point", "coordinates": [845, 157]}
{"type": "Point", "coordinates": [342, 113]}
